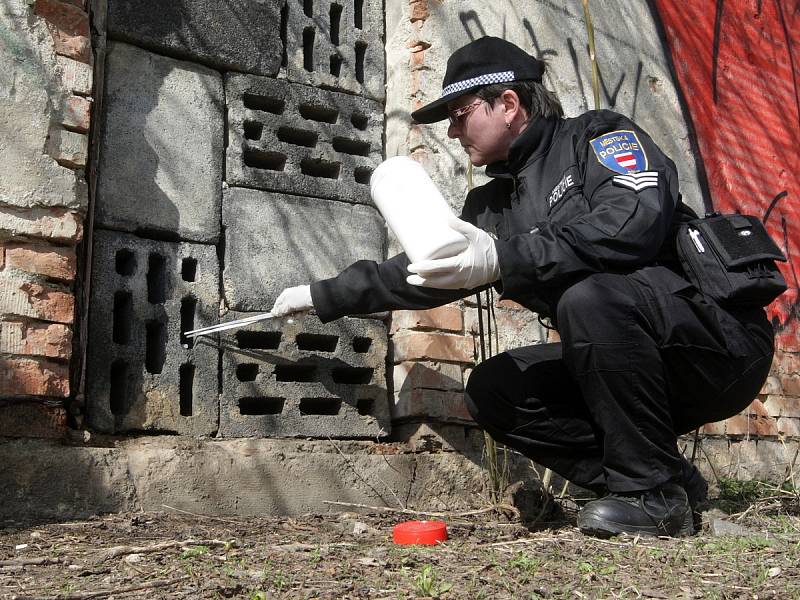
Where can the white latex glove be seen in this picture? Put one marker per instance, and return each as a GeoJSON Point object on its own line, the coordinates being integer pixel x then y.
{"type": "Point", "coordinates": [475, 266]}
{"type": "Point", "coordinates": [293, 299]}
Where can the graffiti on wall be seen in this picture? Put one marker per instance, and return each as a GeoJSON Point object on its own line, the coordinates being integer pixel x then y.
{"type": "Point", "coordinates": [737, 63]}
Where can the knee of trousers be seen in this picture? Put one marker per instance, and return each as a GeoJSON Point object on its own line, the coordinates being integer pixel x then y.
{"type": "Point", "coordinates": [480, 392]}
{"type": "Point", "coordinates": [593, 304]}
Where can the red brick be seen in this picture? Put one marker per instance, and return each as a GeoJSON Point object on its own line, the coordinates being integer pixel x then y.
{"type": "Point", "coordinates": [786, 363]}
{"type": "Point", "coordinates": [790, 384]}
{"type": "Point", "coordinates": [32, 377]}
{"type": "Point", "coordinates": [446, 318]}
{"type": "Point", "coordinates": [419, 10]}
{"type": "Point", "coordinates": [781, 406]}
{"type": "Point", "coordinates": [433, 346]}
{"type": "Point", "coordinates": [751, 426]}
{"type": "Point", "coordinates": [510, 304]}
{"type": "Point", "coordinates": [32, 420]}
{"type": "Point", "coordinates": [27, 299]}
{"type": "Point", "coordinates": [53, 224]}
{"type": "Point", "coordinates": [69, 28]}
{"type": "Point", "coordinates": [76, 77]}
{"type": "Point", "coordinates": [36, 339]}
{"type": "Point", "coordinates": [56, 262]}
{"type": "Point", "coordinates": [430, 375]}
{"type": "Point", "coordinates": [771, 386]}
{"type": "Point", "coordinates": [757, 408]}
{"type": "Point", "coordinates": [717, 428]}
{"type": "Point", "coordinates": [436, 404]}
{"type": "Point", "coordinates": [77, 113]}
{"type": "Point", "coordinates": [738, 425]}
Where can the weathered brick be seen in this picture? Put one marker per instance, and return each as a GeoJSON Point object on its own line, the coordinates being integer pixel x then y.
{"type": "Point", "coordinates": [27, 299]}
{"type": "Point", "coordinates": [751, 425]}
{"type": "Point", "coordinates": [69, 149]}
{"type": "Point", "coordinates": [757, 408]}
{"type": "Point", "coordinates": [436, 404]}
{"type": "Point", "coordinates": [76, 77]}
{"type": "Point", "coordinates": [790, 384]}
{"type": "Point", "coordinates": [433, 346]}
{"type": "Point", "coordinates": [69, 27]}
{"type": "Point", "coordinates": [432, 437]}
{"type": "Point", "coordinates": [77, 113]}
{"type": "Point", "coordinates": [36, 339]}
{"type": "Point", "coordinates": [31, 419]}
{"type": "Point", "coordinates": [780, 406]}
{"type": "Point", "coordinates": [788, 426]}
{"type": "Point", "coordinates": [55, 224]}
{"type": "Point", "coordinates": [51, 261]}
{"type": "Point", "coordinates": [786, 363]}
{"type": "Point", "coordinates": [738, 425]}
{"type": "Point", "coordinates": [33, 377]}
{"type": "Point", "coordinates": [430, 375]}
{"type": "Point", "coordinates": [446, 318]}
{"type": "Point", "coordinates": [419, 10]}
{"type": "Point", "coordinates": [717, 428]}
{"type": "Point", "coordinates": [772, 385]}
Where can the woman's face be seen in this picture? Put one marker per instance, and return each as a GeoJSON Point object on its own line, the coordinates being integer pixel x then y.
{"type": "Point", "coordinates": [481, 128]}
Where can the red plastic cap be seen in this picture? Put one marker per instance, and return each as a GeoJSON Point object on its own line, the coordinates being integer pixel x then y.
{"type": "Point", "coordinates": [419, 532]}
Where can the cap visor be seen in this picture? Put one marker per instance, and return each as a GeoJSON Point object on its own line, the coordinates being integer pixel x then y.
{"type": "Point", "coordinates": [437, 110]}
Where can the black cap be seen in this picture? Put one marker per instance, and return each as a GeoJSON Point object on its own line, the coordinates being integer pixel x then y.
{"type": "Point", "coordinates": [482, 62]}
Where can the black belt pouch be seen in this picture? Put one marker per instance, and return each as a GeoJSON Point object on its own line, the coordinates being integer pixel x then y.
{"type": "Point", "coordinates": [731, 258]}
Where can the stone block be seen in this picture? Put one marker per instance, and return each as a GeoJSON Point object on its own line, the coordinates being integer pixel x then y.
{"type": "Point", "coordinates": [76, 77]}
{"type": "Point", "coordinates": [297, 377]}
{"type": "Point", "coordinates": [236, 35]}
{"type": "Point", "coordinates": [55, 262]}
{"type": "Point", "coordinates": [433, 404]}
{"type": "Point", "coordinates": [337, 44]}
{"type": "Point", "coordinates": [142, 373]}
{"type": "Point", "coordinates": [429, 375]}
{"type": "Point", "coordinates": [29, 419]}
{"type": "Point", "coordinates": [33, 377]}
{"type": "Point", "coordinates": [446, 318]}
{"type": "Point", "coordinates": [160, 167]}
{"type": "Point", "coordinates": [273, 241]}
{"type": "Point", "coordinates": [24, 298]}
{"type": "Point", "coordinates": [56, 225]}
{"type": "Point", "coordinates": [293, 138]}
{"type": "Point", "coordinates": [69, 26]}
{"type": "Point", "coordinates": [433, 346]}
{"type": "Point", "coordinates": [36, 339]}
{"type": "Point", "coordinates": [68, 149]}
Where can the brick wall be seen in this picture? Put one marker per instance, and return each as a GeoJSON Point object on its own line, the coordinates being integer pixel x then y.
{"type": "Point", "coordinates": [42, 209]}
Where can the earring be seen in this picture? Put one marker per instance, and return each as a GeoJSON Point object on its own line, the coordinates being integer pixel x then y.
{"type": "Point", "coordinates": [508, 125]}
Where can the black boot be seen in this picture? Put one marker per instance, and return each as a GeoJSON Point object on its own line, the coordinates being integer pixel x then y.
{"type": "Point", "coordinates": [663, 510]}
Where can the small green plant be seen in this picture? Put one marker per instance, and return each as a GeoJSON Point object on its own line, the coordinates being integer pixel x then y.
{"type": "Point", "coordinates": [525, 564]}
{"type": "Point", "coordinates": [258, 595]}
{"type": "Point", "coordinates": [428, 585]}
{"type": "Point", "coordinates": [193, 552]}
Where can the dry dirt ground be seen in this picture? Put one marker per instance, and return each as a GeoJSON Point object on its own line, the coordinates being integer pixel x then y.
{"type": "Point", "coordinates": [173, 554]}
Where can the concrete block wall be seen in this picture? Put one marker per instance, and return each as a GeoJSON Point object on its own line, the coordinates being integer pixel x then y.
{"type": "Point", "coordinates": [45, 115]}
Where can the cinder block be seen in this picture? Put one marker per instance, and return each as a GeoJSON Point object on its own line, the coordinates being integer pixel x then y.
{"type": "Point", "coordinates": [161, 147]}
{"type": "Point", "coordinates": [337, 44]}
{"type": "Point", "coordinates": [274, 241]}
{"type": "Point", "coordinates": [238, 35]}
{"type": "Point", "coordinates": [297, 377]}
{"type": "Point", "coordinates": [293, 138]}
{"type": "Point", "coordinates": [142, 373]}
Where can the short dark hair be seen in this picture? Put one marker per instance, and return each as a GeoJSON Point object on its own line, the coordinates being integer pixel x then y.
{"type": "Point", "coordinates": [536, 99]}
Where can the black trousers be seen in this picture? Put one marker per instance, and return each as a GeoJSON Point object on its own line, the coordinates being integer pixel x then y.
{"type": "Point", "coordinates": [643, 358]}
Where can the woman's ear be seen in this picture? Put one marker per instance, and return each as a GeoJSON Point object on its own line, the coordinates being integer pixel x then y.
{"type": "Point", "coordinates": [511, 104]}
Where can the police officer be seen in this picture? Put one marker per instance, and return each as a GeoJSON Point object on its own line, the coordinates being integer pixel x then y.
{"type": "Point", "coordinates": [577, 224]}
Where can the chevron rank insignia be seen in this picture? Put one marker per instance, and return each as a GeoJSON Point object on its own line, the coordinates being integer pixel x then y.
{"type": "Point", "coordinates": [637, 181]}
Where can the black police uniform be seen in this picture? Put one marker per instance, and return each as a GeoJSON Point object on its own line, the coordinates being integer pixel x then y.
{"type": "Point", "coordinates": [585, 212]}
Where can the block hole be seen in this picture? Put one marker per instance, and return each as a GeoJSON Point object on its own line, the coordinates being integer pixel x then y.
{"type": "Point", "coordinates": [335, 19]}
{"type": "Point", "coordinates": [298, 137]}
{"type": "Point", "coordinates": [258, 340]}
{"type": "Point", "coordinates": [262, 159]}
{"type": "Point", "coordinates": [361, 344]}
{"type": "Point", "coordinates": [336, 65]}
{"type": "Point", "coordinates": [155, 350]}
{"type": "Point", "coordinates": [320, 406]}
{"type": "Point", "coordinates": [361, 53]}
{"type": "Point", "coordinates": [365, 406]}
{"type": "Point", "coordinates": [308, 8]}
{"type": "Point", "coordinates": [247, 372]}
{"type": "Point", "coordinates": [156, 279]}
{"type": "Point", "coordinates": [308, 48]}
{"type": "Point", "coordinates": [315, 112]}
{"type": "Point", "coordinates": [352, 375]}
{"type": "Point", "coordinates": [253, 130]}
{"type": "Point", "coordinates": [362, 175]}
{"type": "Point", "coordinates": [122, 318]}
{"type": "Point", "coordinates": [263, 103]}
{"type": "Point", "coordinates": [359, 121]}
{"type": "Point", "coordinates": [261, 405]}
{"type": "Point", "coordinates": [284, 34]}
{"type": "Point", "coordinates": [315, 167]}
{"type": "Point", "coordinates": [125, 262]}
{"type": "Point", "coordinates": [188, 310]}
{"type": "Point", "coordinates": [186, 388]}
{"type": "Point", "coordinates": [118, 387]}
{"type": "Point", "coordinates": [189, 269]}
{"type": "Point", "coordinates": [353, 147]}
{"type": "Point", "coordinates": [358, 14]}
{"type": "Point", "coordinates": [314, 342]}
{"type": "Point", "coordinates": [298, 373]}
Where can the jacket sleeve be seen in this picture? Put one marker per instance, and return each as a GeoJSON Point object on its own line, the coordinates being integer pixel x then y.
{"type": "Point", "coordinates": [621, 228]}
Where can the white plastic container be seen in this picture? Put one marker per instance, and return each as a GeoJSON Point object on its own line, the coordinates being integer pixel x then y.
{"type": "Point", "coordinates": [414, 210]}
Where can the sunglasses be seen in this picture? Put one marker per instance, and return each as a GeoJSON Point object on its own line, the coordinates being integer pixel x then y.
{"type": "Point", "coordinates": [459, 113]}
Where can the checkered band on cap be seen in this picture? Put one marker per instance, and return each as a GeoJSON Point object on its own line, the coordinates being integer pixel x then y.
{"type": "Point", "coordinates": [489, 78]}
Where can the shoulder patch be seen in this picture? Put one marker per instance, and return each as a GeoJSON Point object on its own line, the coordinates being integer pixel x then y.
{"type": "Point", "coordinates": [620, 151]}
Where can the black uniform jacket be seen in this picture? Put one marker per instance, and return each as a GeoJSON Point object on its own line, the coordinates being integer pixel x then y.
{"type": "Point", "coordinates": [558, 213]}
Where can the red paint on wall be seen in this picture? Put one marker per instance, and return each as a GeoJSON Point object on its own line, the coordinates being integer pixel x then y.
{"type": "Point", "coordinates": [738, 64]}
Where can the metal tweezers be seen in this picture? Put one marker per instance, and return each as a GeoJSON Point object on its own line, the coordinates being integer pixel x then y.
{"type": "Point", "coordinates": [228, 325]}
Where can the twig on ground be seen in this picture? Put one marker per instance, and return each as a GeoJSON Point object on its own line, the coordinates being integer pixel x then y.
{"type": "Point", "coordinates": [120, 550]}
{"type": "Point", "coordinates": [24, 562]}
{"type": "Point", "coordinates": [408, 511]}
{"type": "Point", "coordinates": [157, 583]}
